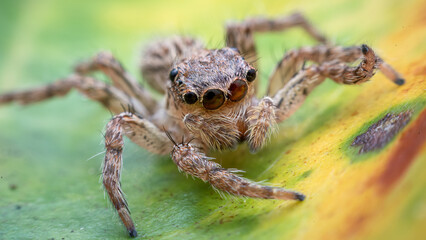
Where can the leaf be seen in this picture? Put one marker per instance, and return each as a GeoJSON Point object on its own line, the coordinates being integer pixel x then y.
{"type": "Point", "coordinates": [49, 161]}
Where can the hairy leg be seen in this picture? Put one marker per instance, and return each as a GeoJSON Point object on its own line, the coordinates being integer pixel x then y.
{"type": "Point", "coordinates": [58, 88]}
{"type": "Point", "coordinates": [261, 123]}
{"type": "Point", "coordinates": [107, 95]}
{"type": "Point", "coordinates": [293, 94]}
{"type": "Point", "coordinates": [192, 161]}
{"type": "Point", "coordinates": [159, 57]}
{"type": "Point", "coordinates": [143, 133]}
{"type": "Point", "coordinates": [105, 62]}
{"type": "Point", "coordinates": [293, 61]}
{"type": "Point", "coordinates": [241, 34]}
{"type": "Point", "coordinates": [262, 118]}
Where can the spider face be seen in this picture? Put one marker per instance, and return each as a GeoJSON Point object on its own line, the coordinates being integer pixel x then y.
{"type": "Point", "coordinates": [212, 79]}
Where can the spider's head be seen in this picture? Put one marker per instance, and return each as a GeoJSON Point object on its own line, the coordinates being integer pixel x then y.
{"type": "Point", "coordinates": [213, 80]}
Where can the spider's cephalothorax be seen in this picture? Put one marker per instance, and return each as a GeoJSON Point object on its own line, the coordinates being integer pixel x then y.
{"type": "Point", "coordinates": [212, 89]}
{"type": "Point", "coordinates": [216, 79]}
{"type": "Point", "coordinates": [209, 99]}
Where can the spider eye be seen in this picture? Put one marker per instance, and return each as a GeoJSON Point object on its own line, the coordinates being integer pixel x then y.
{"type": "Point", "coordinates": [251, 75]}
{"type": "Point", "coordinates": [190, 97]}
{"type": "Point", "coordinates": [238, 90]}
{"type": "Point", "coordinates": [173, 73]}
{"type": "Point", "coordinates": [213, 99]}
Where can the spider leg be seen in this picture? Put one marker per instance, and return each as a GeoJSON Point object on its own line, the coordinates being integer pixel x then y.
{"type": "Point", "coordinates": [262, 118]}
{"type": "Point", "coordinates": [58, 88]}
{"type": "Point", "coordinates": [261, 123]}
{"type": "Point", "coordinates": [105, 62]}
{"type": "Point", "coordinates": [143, 133]}
{"type": "Point", "coordinates": [109, 96]}
{"type": "Point", "coordinates": [190, 160]}
{"type": "Point", "coordinates": [159, 56]}
{"type": "Point", "coordinates": [241, 34]}
{"type": "Point", "coordinates": [293, 61]}
{"type": "Point", "coordinates": [293, 94]}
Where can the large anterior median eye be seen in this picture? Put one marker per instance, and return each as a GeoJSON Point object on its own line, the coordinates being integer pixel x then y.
{"type": "Point", "coordinates": [238, 90]}
{"type": "Point", "coordinates": [213, 99]}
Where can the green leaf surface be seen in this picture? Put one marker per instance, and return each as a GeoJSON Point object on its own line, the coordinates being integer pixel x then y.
{"type": "Point", "coordinates": [51, 152]}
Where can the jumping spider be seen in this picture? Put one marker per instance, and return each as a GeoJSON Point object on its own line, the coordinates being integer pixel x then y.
{"type": "Point", "coordinates": [209, 98]}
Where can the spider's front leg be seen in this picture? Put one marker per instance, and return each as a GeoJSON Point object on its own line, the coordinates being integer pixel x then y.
{"type": "Point", "coordinates": [143, 133]}
{"type": "Point", "coordinates": [111, 173]}
{"type": "Point", "coordinates": [261, 123]}
{"type": "Point", "coordinates": [190, 160]}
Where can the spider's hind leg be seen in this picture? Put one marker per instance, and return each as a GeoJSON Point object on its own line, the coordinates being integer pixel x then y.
{"type": "Point", "coordinates": [109, 96]}
{"type": "Point", "coordinates": [241, 34]}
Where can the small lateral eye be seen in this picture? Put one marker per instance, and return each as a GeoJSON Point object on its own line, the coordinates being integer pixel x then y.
{"type": "Point", "coordinates": [213, 99]}
{"type": "Point", "coordinates": [251, 75]}
{"type": "Point", "coordinates": [173, 73]}
{"type": "Point", "coordinates": [238, 90]}
{"type": "Point", "coordinates": [190, 98]}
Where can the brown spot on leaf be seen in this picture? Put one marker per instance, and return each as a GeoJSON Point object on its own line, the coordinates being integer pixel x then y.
{"type": "Point", "coordinates": [420, 70]}
{"type": "Point", "coordinates": [355, 224]}
{"type": "Point", "coordinates": [404, 153]}
{"type": "Point", "coordinates": [382, 132]}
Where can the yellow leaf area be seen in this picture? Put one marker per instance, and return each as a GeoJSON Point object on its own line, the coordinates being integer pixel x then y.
{"type": "Point", "coordinates": [378, 195]}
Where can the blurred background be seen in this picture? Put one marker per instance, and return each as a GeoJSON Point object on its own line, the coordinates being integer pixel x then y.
{"type": "Point", "coordinates": [49, 162]}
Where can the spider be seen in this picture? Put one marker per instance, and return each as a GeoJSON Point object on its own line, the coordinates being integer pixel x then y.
{"type": "Point", "coordinates": [209, 98]}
